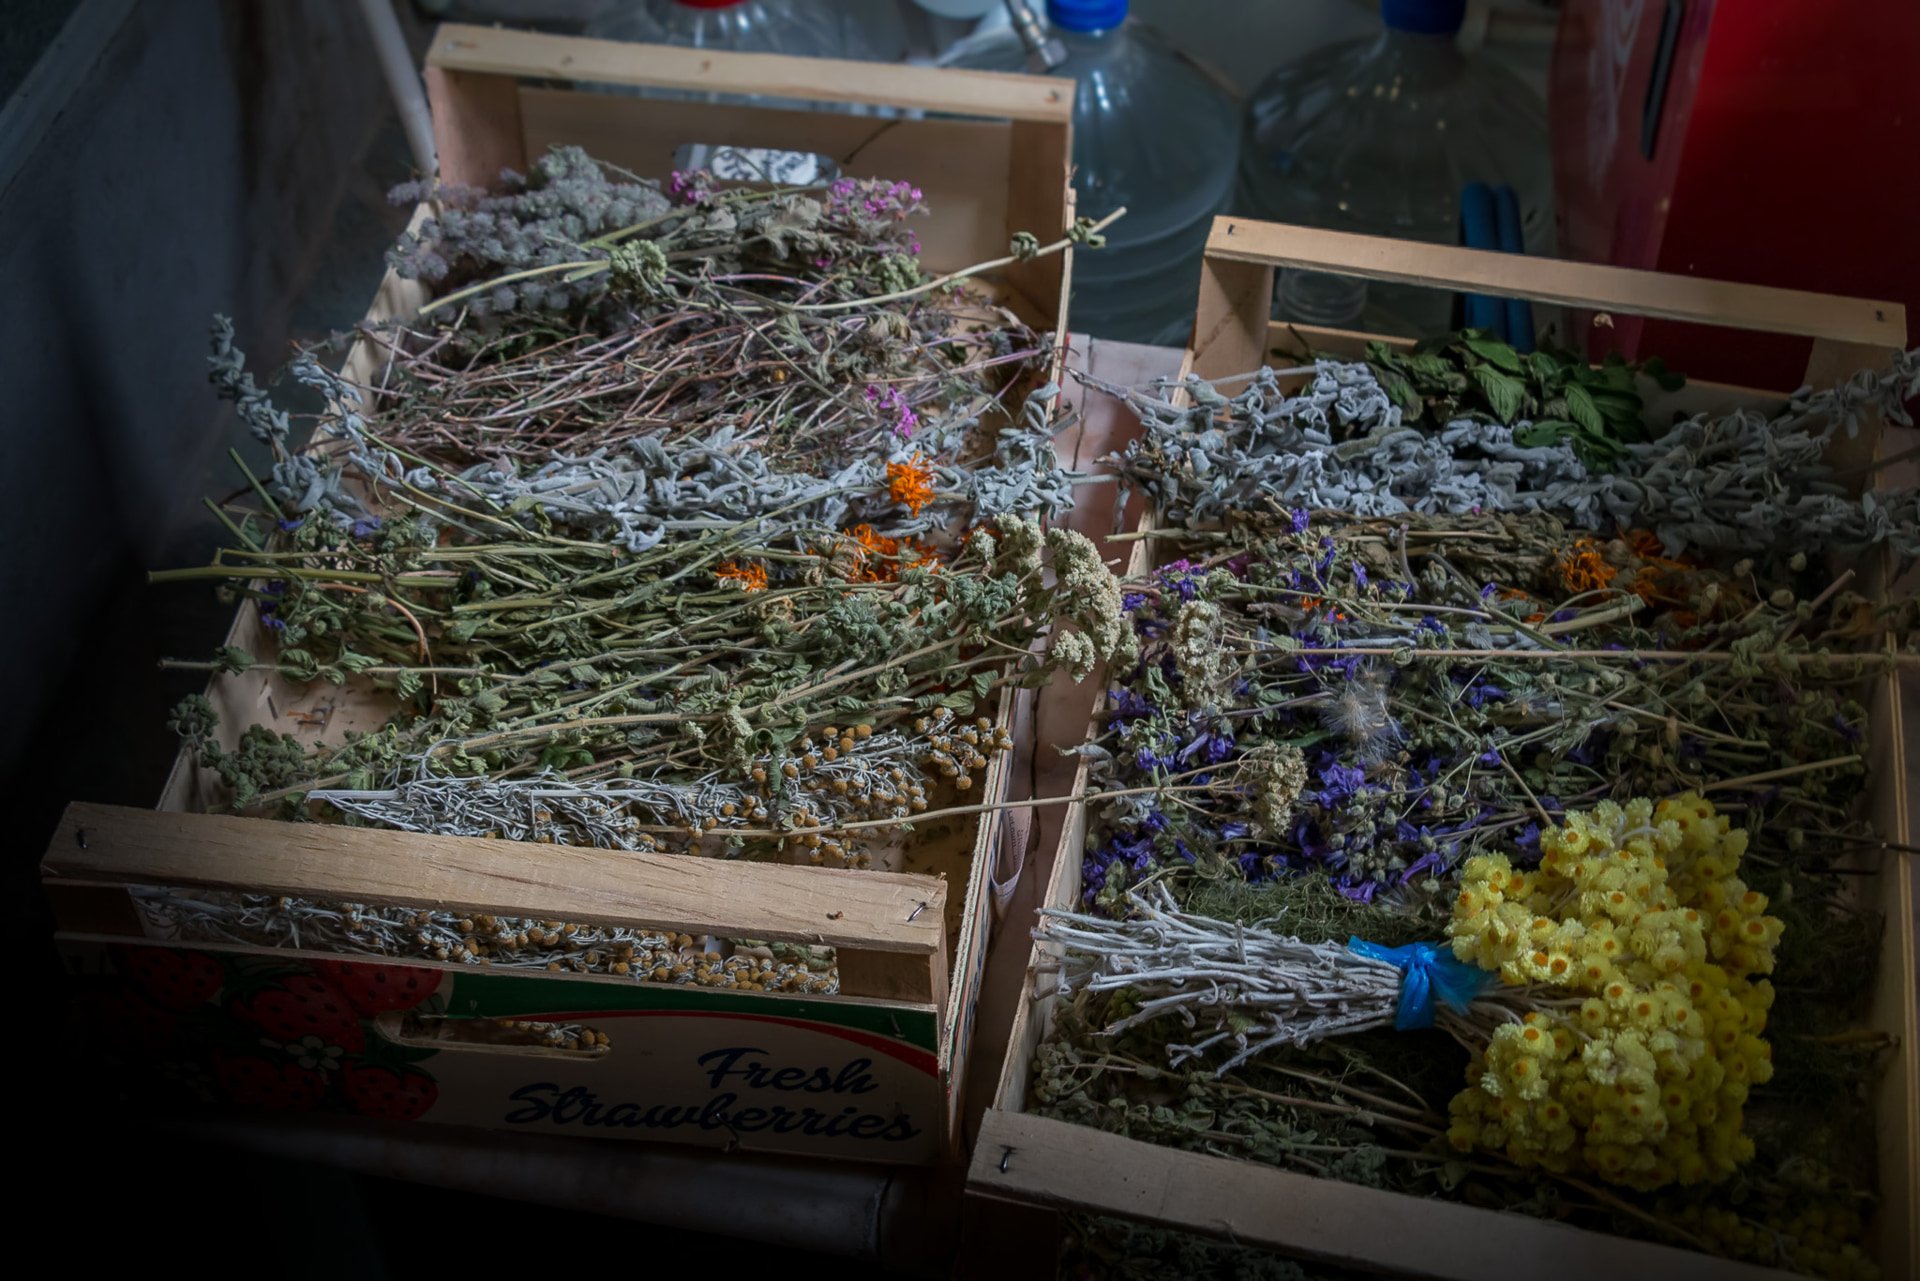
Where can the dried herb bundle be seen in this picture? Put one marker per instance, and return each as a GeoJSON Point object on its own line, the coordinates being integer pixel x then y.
{"type": "Point", "coordinates": [1596, 408]}
{"type": "Point", "coordinates": [1738, 482]}
{"type": "Point", "coordinates": [1380, 700]}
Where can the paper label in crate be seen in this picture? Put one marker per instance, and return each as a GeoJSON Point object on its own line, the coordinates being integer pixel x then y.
{"type": "Point", "coordinates": [758, 164]}
{"type": "Point", "coordinates": [255, 1030]}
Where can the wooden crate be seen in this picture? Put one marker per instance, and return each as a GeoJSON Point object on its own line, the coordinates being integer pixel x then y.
{"type": "Point", "coordinates": [1037, 1160]}
{"type": "Point", "coordinates": [872, 1073]}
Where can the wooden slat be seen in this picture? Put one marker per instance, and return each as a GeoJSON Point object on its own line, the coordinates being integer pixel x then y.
{"type": "Point", "coordinates": [495, 51]}
{"type": "Point", "coordinates": [1075, 1166]}
{"type": "Point", "coordinates": [111, 844]}
{"type": "Point", "coordinates": [1230, 323]}
{"type": "Point", "coordinates": [94, 909]}
{"type": "Point", "coordinates": [961, 165]}
{"type": "Point", "coordinates": [1895, 1004]}
{"type": "Point", "coordinates": [1032, 1017]}
{"type": "Point", "coordinates": [974, 929]}
{"type": "Point", "coordinates": [1759, 308]}
{"type": "Point", "coordinates": [1040, 200]}
{"type": "Point", "coordinates": [896, 976]}
{"type": "Point", "coordinates": [476, 126]}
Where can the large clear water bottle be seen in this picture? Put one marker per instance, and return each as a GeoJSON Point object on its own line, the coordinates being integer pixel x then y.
{"type": "Point", "coordinates": [1151, 131]}
{"type": "Point", "coordinates": [1381, 136]}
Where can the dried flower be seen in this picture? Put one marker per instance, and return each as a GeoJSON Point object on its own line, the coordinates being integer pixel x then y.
{"type": "Point", "coordinates": [910, 484]}
{"type": "Point", "coordinates": [751, 577]}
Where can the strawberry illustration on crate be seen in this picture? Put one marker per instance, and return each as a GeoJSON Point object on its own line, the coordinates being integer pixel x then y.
{"type": "Point", "coordinates": [388, 1093]}
{"type": "Point", "coordinates": [283, 1034]}
{"type": "Point", "coordinates": [377, 989]}
{"type": "Point", "coordinates": [296, 1010]}
{"type": "Point", "coordinates": [173, 979]}
{"type": "Point", "coordinates": [256, 1082]}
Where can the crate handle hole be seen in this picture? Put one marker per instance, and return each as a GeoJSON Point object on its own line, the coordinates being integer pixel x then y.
{"type": "Point", "coordinates": [531, 1037]}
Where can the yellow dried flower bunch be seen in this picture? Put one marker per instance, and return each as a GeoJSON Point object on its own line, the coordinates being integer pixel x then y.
{"type": "Point", "coordinates": [1638, 1067]}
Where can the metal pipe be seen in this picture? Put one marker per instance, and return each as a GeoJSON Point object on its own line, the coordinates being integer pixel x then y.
{"type": "Point", "coordinates": [1044, 53]}
{"type": "Point", "coordinates": [403, 82]}
{"type": "Point", "coordinates": [900, 1218]}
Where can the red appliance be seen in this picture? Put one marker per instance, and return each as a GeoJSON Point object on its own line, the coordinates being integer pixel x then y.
{"type": "Point", "coordinates": [1775, 142]}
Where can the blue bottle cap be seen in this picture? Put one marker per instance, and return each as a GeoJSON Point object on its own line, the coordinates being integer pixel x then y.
{"type": "Point", "coordinates": [1086, 15]}
{"type": "Point", "coordinates": [1424, 17]}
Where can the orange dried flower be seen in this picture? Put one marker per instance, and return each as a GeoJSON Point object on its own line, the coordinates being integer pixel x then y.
{"type": "Point", "coordinates": [1584, 569]}
{"type": "Point", "coordinates": [751, 576]}
{"type": "Point", "coordinates": [880, 559]}
{"type": "Point", "coordinates": [910, 484]}
{"type": "Point", "coordinates": [1647, 584]}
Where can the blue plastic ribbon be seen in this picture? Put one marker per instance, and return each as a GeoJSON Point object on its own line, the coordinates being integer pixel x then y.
{"type": "Point", "coordinates": [1428, 972]}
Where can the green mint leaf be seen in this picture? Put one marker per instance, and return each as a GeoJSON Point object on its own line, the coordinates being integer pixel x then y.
{"type": "Point", "coordinates": [1400, 391]}
{"type": "Point", "coordinates": [1543, 432]}
{"type": "Point", "coordinates": [1493, 351]}
{"type": "Point", "coordinates": [1665, 379]}
{"type": "Point", "coordinates": [1545, 367]}
{"type": "Point", "coordinates": [1581, 408]}
{"type": "Point", "coordinates": [1503, 393]}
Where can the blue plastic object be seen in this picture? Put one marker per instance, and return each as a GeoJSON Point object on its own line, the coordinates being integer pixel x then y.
{"type": "Point", "coordinates": [1512, 240]}
{"type": "Point", "coordinates": [1429, 972]}
{"type": "Point", "coordinates": [1479, 229]}
{"type": "Point", "coordinates": [1087, 15]}
{"type": "Point", "coordinates": [1423, 17]}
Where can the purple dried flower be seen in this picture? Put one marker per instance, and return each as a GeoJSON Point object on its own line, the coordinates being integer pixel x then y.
{"type": "Point", "coordinates": [1480, 691]}
{"type": "Point", "coordinates": [1426, 862]}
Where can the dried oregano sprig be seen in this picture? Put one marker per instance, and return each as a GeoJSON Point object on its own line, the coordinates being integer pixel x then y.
{"type": "Point", "coordinates": [542, 218]}
{"type": "Point", "coordinates": [560, 655]}
{"type": "Point", "coordinates": [565, 234]}
{"type": "Point", "coordinates": [1738, 482]}
{"type": "Point", "coordinates": [1378, 701]}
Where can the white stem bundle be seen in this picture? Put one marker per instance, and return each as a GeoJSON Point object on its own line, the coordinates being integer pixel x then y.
{"type": "Point", "coordinates": [1244, 986]}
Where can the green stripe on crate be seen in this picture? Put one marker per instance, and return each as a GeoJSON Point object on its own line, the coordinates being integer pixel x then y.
{"type": "Point", "coordinates": [506, 996]}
